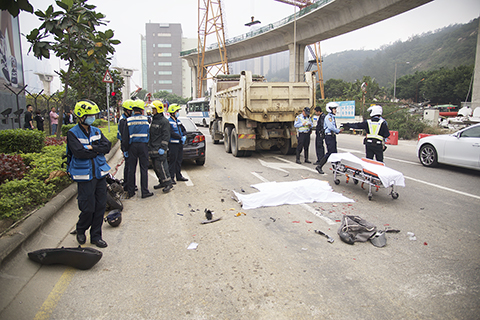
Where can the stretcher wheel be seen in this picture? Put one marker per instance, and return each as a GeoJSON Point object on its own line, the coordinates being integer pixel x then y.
{"type": "Point", "coordinates": [337, 181]}
{"type": "Point", "coordinates": [355, 181]}
{"type": "Point", "coordinates": [395, 195]}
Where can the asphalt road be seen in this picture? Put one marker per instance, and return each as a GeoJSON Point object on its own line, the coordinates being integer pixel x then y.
{"type": "Point", "coordinates": [266, 263]}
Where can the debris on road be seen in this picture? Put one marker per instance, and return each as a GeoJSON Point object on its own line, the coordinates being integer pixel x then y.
{"type": "Point", "coordinates": [411, 236]}
{"type": "Point", "coordinates": [329, 239]}
{"type": "Point", "coordinates": [209, 214]}
{"type": "Point", "coordinates": [240, 213]}
{"type": "Point", "coordinates": [273, 219]}
{"type": "Point", "coordinates": [192, 246]}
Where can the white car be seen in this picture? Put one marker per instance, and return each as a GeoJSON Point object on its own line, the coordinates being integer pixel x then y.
{"type": "Point", "coordinates": [460, 149]}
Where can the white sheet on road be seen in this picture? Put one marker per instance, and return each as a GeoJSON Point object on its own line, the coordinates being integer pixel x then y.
{"type": "Point", "coordinates": [292, 192]}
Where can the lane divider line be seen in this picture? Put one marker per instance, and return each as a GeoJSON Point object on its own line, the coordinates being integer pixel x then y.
{"type": "Point", "coordinates": [53, 298]}
{"type": "Point", "coordinates": [444, 188]}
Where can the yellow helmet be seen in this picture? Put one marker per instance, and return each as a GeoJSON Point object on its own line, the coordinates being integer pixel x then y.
{"type": "Point", "coordinates": [157, 104]}
{"type": "Point", "coordinates": [128, 104]}
{"type": "Point", "coordinates": [85, 107]}
{"type": "Point", "coordinates": [173, 108]}
{"type": "Point", "coordinates": [140, 104]}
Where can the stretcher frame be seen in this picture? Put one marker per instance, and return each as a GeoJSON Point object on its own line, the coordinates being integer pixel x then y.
{"type": "Point", "coordinates": [350, 170]}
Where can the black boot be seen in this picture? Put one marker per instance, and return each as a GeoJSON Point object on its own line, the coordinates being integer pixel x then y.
{"type": "Point", "coordinates": [306, 157]}
{"type": "Point", "coordinates": [298, 157]}
{"type": "Point", "coordinates": [320, 165]}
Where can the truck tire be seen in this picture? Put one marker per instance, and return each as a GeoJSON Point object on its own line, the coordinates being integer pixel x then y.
{"type": "Point", "coordinates": [234, 144]}
{"type": "Point", "coordinates": [227, 140]}
{"type": "Point", "coordinates": [286, 149]}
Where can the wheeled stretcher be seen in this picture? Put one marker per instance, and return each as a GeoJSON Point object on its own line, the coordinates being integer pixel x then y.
{"type": "Point", "coordinates": [373, 173]}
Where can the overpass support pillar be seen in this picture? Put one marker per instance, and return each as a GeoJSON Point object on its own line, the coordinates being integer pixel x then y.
{"type": "Point", "coordinates": [297, 62]}
{"type": "Point", "coordinates": [476, 77]}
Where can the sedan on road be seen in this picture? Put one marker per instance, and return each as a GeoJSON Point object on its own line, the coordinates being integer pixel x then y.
{"type": "Point", "coordinates": [461, 149]}
{"type": "Point", "coordinates": [194, 148]}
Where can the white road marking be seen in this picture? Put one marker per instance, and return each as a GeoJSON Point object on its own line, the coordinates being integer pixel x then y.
{"type": "Point", "coordinates": [285, 164]}
{"type": "Point", "coordinates": [184, 173]}
{"type": "Point", "coordinates": [394, 159]}
{"type": "Point", "coordinates": [444, 188]}
{"type": "Point", "coordinates": [303, 205]}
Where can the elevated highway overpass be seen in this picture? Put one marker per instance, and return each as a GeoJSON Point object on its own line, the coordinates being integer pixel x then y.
{"type": "Point", "coordinates": [323, 20]}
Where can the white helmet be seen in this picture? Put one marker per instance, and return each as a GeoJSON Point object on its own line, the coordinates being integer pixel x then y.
{"type": "Point", "coordinates": [375, 110]}
{"type": "Point", "coordinates": [331, 105]}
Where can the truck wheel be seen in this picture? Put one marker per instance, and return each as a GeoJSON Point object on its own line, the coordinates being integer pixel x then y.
{"type": "Point", "coordinates": [227, 139]}
{"type": "Point", "coordinates": [286, 149]}
{"type": "Point", "coordinates": [234, 144]}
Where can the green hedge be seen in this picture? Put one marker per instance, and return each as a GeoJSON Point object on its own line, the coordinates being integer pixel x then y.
{"type": "Point", "coordinates": [67, 127]}
{"type": "Point", "coordinates": [18, 197]}
{"type": "Point", "coordinates": [21, 141]}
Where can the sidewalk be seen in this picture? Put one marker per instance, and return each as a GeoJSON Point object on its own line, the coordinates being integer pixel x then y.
{"type": "Point", "coordinates": [14, 239]}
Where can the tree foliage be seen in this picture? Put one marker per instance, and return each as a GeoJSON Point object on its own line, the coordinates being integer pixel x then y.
{"type": "Point", "coordinates": [75, 39]}
{"type": "Point", "coordinates": [15, 6]}
{"type": "Point", "coordinates": [170, 97]}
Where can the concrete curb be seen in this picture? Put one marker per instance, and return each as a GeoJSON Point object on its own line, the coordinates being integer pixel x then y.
{"type": "Point", "coordinates": [9, 243]}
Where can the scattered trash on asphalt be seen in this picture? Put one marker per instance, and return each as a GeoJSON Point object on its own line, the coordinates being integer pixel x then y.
{"type": "Point", "coordinates": [307, 221]}
{"type": "Point", "coordinates": [192, 246]}
{"type": "Point", "coordinates": [210, 221]}
{"type": "Point", "coordinates": [242, 190]}
{"type": "Point", "coordinates": [209, 214]}
{"type": "Point", "coordinates": [329, 239]}
{"type": "Point", "coordinates": [240, 213]}
{"type": "Point", "coordinates": [378, 239]}
{"type": "Point", "coordinates": [273, 219]}
{"type": "Point", "coordinates": [295, 221]}
{"type": "Point", "coordinates": [389, 229]}
{"type": "Point", "coordinates": [180, 214]}
{"type": "Point", "coordinates": [411, 236]}
{"type": "Point", "coordinates": [425, 244]}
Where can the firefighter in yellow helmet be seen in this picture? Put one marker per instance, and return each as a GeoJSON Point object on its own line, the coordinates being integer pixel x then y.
{"type": "Point", "coordinates": [137, 147]}
{"type": "Point", "coordinates": [158, 146]}
{"type": "Point", "coordinates": [86, 164]}
{"type": "Point", "coordinates": [177, 140]}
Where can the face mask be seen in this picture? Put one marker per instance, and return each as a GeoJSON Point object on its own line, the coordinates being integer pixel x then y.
{"type": "Point", "coordinates": [177, 114]}
{"type": "Point", "coordinates": [89, 120]}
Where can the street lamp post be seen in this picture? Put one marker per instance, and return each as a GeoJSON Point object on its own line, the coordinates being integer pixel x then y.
{"type": "Point", "coordinates": [395, 81]}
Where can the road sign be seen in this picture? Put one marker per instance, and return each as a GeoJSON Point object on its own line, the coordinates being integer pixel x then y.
{"type": "Point", "coordinates": [107, 77]}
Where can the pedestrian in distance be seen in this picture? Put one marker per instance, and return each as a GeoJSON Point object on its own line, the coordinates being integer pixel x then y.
{"type": "Point", "coordinates": [158, 146]}
{"type": "Point", "coordinates": [137, 149]}
{"type": "Point", "coordinates": [319, 135]}
{"type": "Point", "coordinates": [331, 132]}
{"type": "Point", "coordinates": [304, 125]}
{"type": "Point", "coordinates": [86, 164]}
{"type": "Point", "coordinates": [28, 118]}
{"type": "Point", "coordinates": [377, 131]}
{"type": "Point", "coordinates": [53, 120]}
{"type": "Point", "coordinates": [123, 136]}
{"type": "Point", "coordinates": [39, 120]}
{"type": "Point", "coordinates": [177, 140]}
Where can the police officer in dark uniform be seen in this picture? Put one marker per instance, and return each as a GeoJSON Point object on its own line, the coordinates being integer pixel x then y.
{"type": "Point", "coordinates": [177, 139]}
{"type": "Point", "coordinates": [304, 125]}
{"type": "Point", "coordinates": [86, 149]}
{"type": "Point", "coordinates": [158, 146]}
{"type": "Point", "coordinates": [123, 134]}
{"type": "Point", "coordinates": [319, 135]}
{"type": "Point", "coordinates": [377, 131]}
{"type": "Point", "coordinates": [136, 147]}
{"type": "Point", "coordinates": [331, 131]}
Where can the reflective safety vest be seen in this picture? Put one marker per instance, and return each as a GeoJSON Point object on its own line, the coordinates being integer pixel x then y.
{"type": "Point", "coordinates": [84, 169]}
{"type": "Point", "coordinates": [303, 125]}
{"type": "Point", "coordinates": [138, 128]}
{"type": "Point", "coordinates": [119, 136]}
{"type": "Point", "coordinates": [374, 129]}
{"type": "Point", "coordinates": [175, 126]}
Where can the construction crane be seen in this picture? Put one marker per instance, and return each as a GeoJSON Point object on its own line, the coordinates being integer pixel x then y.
{"type": "Point", "coordinates": [210, 21]}
{"type": "Point", "coordinates": [317, 53]}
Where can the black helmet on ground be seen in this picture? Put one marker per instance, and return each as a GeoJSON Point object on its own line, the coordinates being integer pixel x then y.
{"type": "Point", "coordinates": [114, 218]}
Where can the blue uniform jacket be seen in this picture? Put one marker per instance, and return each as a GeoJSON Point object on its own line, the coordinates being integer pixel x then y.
{"type": "Point", "coordinates": [329, 124]}
{"type": "Point", "coordinates": [85, 164]}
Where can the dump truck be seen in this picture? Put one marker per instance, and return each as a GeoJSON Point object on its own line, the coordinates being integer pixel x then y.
{"type": "Point", "coordinates": [249, 113]}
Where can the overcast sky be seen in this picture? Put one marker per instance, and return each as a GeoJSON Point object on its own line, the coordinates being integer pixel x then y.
{"type": "Point", "coordinates": [127, 18]}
